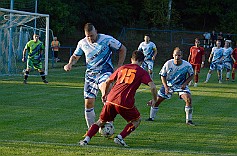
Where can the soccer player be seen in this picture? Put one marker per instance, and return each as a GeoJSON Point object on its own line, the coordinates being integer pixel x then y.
{"type": "Point", "coordinates": [120, 100]}
{"type": "Point", "coordinates": [227, 60]}
{"type": "Point", "coordinates": [196, 58]}
{"type": "Point", "coordinates": [234, 57]}
{"type": "Point", "coordinates": [175, 76]}
{"type": "Point", "coordinates": [55, 45]}
{"type": "Point", "coordinates": [149, 50]}
{"type": "Point", "coordinates": [216, 58]}
{"type": "Point", "coordinates": [98, 49]}
{"type": "Point", "coordinates": [35, 50]}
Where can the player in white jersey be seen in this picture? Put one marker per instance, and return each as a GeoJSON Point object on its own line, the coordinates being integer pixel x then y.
{"type": "Point", "coordinates": [149, 50]}
{"type": "Point", "coordinates": [216, 60]}
{"type": "Point", "coordinates": [227, 60]}
{"type": "Point", "coordinates": [175, 76]}
{"type": "Point", "coordinates": [98, 49]}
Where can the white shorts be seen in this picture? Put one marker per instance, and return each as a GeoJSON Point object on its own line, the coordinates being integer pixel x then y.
{"type": "Point", "coordinates": [162, 94]}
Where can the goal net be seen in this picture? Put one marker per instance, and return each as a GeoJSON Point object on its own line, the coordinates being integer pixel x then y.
{"type": "Point", "coordinates": [16, 29]}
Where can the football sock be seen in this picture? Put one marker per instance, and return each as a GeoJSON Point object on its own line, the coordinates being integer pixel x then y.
{"type": "Point", "coordinates": [93, 130]}
{"type": "Point", "coordinates": [228, 75]}
{"type": "Point", "coordinates": [89, 116]}
{"type": "Point", "coordinates": [42, 75]}
{"type": "Point", "coordinates": [87, 139]}
{"type": "Point", "coordinates": [153, 112]}
{"type": "Point", "coordinates": [196, 78]}
{"type": "Point", "coordinates": [26, 75]}
{"type": "Point", "coordinates": [189, 113]}
{"type": "Point", "coordinates": [208, 76]}
{"type": "Point", "coordinates": [220, 75]}
{"type": "Point", "coordinates": [127, 130]}
{"type": "Point", "coordinates": [233, 76]}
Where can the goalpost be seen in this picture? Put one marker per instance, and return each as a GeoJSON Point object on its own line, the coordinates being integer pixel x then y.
{"type": "Point", "coordinates": [16, 29]}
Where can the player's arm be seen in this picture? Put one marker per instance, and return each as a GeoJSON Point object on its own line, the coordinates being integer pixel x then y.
{"type": "Point", "coordinates": [164, 82]}
{"type": "Point", "coordinates": [187, 81]}
{"type": "Point", "coordinates": [24, 55]}
{"type": "Point", "coordinates": [73, 60]}
{"type": "Point", "coordinates": [203, 61]}
{"type": "Point", "coordinates": [155, 53]}
{"type": "Point", "coordinates": [153, 92]}
{"type": "Point", "coordinates": [122, 55]}
{"type": "Point", "coordinates": [232, 56]}
{"type": "Point", "coordinates": [105, 88]}
{"type": "Point", "coordinates": [210, 57]}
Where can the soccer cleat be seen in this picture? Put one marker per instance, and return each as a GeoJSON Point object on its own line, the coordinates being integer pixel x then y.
{"type": "Point", "coordinates": [120, 141]}
{"type": "Point", "coordinates": [190, 123]}
{"type": "Point", "coordinates": [25, 82]}
{"type": "Point", "coordinates": [83, 143]}
{"type": "Point", "coordinates": [45, 81]}
{"type": "Point", "coordinates": [195, 85]}
{"type": "Point", "coordinates": [233, 80]}
{"type": "Point", "coordinates": [205, 81]}
{"type": "Point", "coordinates": [149, 119]}
{"type": "Point", "coordinates": [220, 81]}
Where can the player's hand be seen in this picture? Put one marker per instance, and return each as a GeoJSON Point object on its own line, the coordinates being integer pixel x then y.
{"type": "Point", "coordinates": [67, 67]}
{"type": "Point", "coordinates": [104, 98]}
{"type": "Point", "coordinates": [153, 58]}
{"type": "Point", "coordinates": [23, 59]}
{"type": "Point", "coordinates": [202, 65]}
{"type": "Point", "coordinates": [167, 90]}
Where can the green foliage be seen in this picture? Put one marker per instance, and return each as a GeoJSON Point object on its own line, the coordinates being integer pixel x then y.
{"type": "Point", "coordinates": [39, 119]}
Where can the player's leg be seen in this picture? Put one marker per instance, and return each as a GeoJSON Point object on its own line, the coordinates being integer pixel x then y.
{"type": "Point", "coordinates": [161, 97]}
{"type": "Point", "coordinates": [29, 66]}
{"type": "Point", "coordinates": [212, 67]}
{"type": "Point", "coordinates": [150, 68]}
{"type": "Point", "coordinates": [233, 73]}
{"type": "Point", "coordinates": [228, 68]}
{"type": "Point", "coordinates": [132, 116]}
{"type": "Point", "coordinates": [219, 72]}
{"type": "Point", "coordinates": [196, 71]}
{"type": "Point", "coordinates": [188, 107]}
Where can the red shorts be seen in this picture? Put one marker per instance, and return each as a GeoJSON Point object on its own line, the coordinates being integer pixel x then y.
{"type": "Point", "coordinates": [235, 65]}
{"type": "Point", "coordinates": [196, 67]}
{"type": "Point", "coordinates": [109, 112]}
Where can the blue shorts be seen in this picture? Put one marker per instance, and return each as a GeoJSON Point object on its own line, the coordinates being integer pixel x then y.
{"type": "Point", "coordinates": [93, 82]}
{"type": "Point", "coordinates": [162, 94]}
{"type": "Point", "coordinates": [217, 66]}
{"type": "Point", "coordinates": [148, 64]}
{"type": "Point", "coordinates": [227, 65]}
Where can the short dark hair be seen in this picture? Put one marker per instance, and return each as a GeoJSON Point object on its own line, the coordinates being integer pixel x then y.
{"type": "Point", "coordinates": [147, 35]}
{"type": "Point", "coordinates": [138, 55]}
{"type": "Point", "coordinates": [89, 27]}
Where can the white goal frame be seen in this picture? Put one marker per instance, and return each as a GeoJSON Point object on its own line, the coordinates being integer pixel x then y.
{"type": "Point", "coordinates": [46, 44]}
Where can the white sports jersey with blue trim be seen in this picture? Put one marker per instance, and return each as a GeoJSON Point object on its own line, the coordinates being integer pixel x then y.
{"type": "Point", "coordinates": [227, 54]}
{"type": "Point", "coordinates": [217, 54]}
{"type": "Point", "coordinates": [147, 49]}
{"type": "Point", "coordinates": [176, 74]}
{"type": "Point", "coordinates": [98, 54]}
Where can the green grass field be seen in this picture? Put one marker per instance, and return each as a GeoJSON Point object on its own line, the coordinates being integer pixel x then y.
{"type": "Point", "coordinates": [39, 119]}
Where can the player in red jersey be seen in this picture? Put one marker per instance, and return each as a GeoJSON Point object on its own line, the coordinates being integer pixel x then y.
{"type": "Point", "coordinates": [196, 58]}
{"type": "Point", "coordinates": [120, 100]}
{"type": "Point", "coordinates": [234, 67]}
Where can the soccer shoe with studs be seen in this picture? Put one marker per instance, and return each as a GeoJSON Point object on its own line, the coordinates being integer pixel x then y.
{"type": "Point", "coordinates": [120, 142]}
{"type": "Point", "coordinates": [83, 143]}
{"type": "Point", "coordinates": [25, 82]}
{"type": "Point", "coordinates": [149, 119]}
{"type": "Point", "coordinates": [45, 81]}
{"type": "Point", "coordinates": [190, 123]}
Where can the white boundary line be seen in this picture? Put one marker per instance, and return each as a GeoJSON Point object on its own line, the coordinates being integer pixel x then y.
{"type": "Point", "coordinates": [118, 147]}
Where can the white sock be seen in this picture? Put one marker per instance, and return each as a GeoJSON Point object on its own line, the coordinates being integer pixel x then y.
{"type": "Point", "coordinates": [87, 139]}
{"type": "Point", "coordinates": [89, 116]}
{"type": "Point", "coordinates": [208, 77]}
{"type": "Point", "coordinates": [189, 113]}
{"type": "Point", "coordinates": [228, 75]}
{"type": "Point", "coordinates": [153, 112]}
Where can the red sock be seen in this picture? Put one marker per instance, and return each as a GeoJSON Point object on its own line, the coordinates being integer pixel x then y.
{"type": "Point", "coordinates": [127, 130]}
{"type": "Point", "coordinates": [233, 76]}
{"type": "Point", "coordinates": [93, 130]}
{"type": "Point", "coordinates": [196, 78]}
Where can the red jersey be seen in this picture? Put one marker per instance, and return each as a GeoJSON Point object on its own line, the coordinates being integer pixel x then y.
{"type": "Point", "coordinates": [128, 78]}
{"type": "Point", "coordinates": [234, 53]}
{"type": "Point", "coordinates": [196, 54]}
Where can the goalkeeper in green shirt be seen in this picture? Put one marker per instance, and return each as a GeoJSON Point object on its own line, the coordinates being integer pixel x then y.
{"type": "Point", "coordinates": [35, 50]}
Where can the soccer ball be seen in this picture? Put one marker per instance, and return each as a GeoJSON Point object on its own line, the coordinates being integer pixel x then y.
{"type": "Point", "coordinates": [107, 130]}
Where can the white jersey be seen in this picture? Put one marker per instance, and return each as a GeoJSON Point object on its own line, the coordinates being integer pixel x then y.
{"type": "Point", "coordinates": [176, 74]}
{"type": "Point", "coordinates": [98, 54]}
{"type": "Point", "coordinates": [148, 49]}
{"type": "Point", "coordinates": [227, 54]}
{"type": "Point", "coordinates": [217, 54]}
